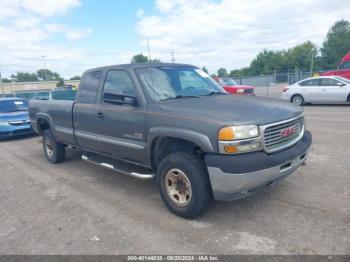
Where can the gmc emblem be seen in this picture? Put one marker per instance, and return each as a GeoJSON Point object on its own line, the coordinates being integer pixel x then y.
{"type": "Point", "coordinates": [287, 132]}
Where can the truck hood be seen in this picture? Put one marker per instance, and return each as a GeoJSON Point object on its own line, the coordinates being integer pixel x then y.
{"type": "Point", "coordinates": [233, 110]}
{"type": "Point", "coordinates": [14, 116]}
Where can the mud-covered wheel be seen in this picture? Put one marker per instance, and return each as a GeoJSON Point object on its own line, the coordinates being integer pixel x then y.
{"type": "Point", "coordinates": [184, 184]}
{"type": "Point", "coordinates": [55, 152]}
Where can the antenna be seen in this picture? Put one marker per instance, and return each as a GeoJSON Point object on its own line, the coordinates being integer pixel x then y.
{"type": "Point", "coordinates": [149, 53]}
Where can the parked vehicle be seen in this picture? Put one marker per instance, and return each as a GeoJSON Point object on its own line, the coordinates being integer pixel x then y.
{"type": "Point", "coordinates": [327, 89]}
{"type": "Point", "coordinates": [173, 122]}
{"type": "Point", "coordinates": [343, 68]}
{"type": "Point", "coordinates": [14, 118]}
{"type": "Point", "coordinates": [233, 88]}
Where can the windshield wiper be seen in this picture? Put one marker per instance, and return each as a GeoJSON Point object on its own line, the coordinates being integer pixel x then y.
{"type": "Point", "coordinates": [179, 97]}
{"type": "Point", "coordinates": [215, 93]}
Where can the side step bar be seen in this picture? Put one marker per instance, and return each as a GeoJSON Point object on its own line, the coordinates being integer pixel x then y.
{"type": "Point", "coordinates": [119, 166]}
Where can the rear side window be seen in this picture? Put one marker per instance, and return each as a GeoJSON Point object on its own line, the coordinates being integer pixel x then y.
{"type": "Point", "coordinates": [88, 91]}
{"type": "Point", "coordinates": [329, 82]}
{"type": "Point", "coordinates": [120, 82]}
{"type": "Point", "coordinates": [311, 82]}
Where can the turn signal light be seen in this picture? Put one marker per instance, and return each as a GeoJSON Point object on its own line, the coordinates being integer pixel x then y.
{"type": "Point", "coordinates": [230, 149]}
{"type": "Point", "coordinates": [226, 133]}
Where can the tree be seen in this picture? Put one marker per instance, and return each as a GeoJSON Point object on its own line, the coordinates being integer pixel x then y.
{"type": "Point", "coordinates": [336, 45]}
{"type": "Point", "coordinates": [24, 77]}
{"type": "Point", "coordinates": [75, 78]}
{"type": "Point", "coordinates": [48, 75]}
{"type": "Point", "coordinates": [139, 58]}
{"type": "Point", "coordinates": [222, 72]}
{"type": "Point", "coordinates": [300, 57]}
{"type": "Point", "coordinates": [6, 80]}
{"type": "Point", "coordinates": [205, 69]}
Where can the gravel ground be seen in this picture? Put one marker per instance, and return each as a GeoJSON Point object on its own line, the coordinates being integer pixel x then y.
{"type": "Point", "coordinates": [78, 208]}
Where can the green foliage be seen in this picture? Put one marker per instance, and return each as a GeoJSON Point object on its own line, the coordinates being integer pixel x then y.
{"type": "Point", "coordinates": [205, 69]}
{"type": "Point", "coordinates": [24, 77]}
{"type": "Point", "coordinates": [75, 78]}
{"type": "Point", "coordinates": [6, 80]}
{"type": "Point", "coordinates": [140, 58]}
{"type": "Point", "coordinates": [222, 72]}
{"type": "Point", "coordinates": [40, 75]}
{"type": "Point", "coordinates": [336, 45]}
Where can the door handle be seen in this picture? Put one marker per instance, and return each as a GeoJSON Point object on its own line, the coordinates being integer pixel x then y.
{"type": "Point", "coordinates": [324, 89]}
{"type": "Point", "coordinates": [99, 115]}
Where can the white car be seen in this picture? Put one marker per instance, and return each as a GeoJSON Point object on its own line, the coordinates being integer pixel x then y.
{"type": "Point", "coordinates": [323, 89]}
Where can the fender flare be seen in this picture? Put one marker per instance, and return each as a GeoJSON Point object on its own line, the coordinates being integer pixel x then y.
{"type": "Point", "coordinates": [47, 118]}
{"type": "Point", "coordinates": [195, 137]}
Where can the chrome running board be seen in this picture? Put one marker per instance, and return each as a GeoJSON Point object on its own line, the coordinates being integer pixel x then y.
{"type": "Point", "coordinates": [119, 166]}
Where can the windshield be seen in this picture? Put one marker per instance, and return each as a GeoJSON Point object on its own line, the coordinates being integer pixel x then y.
{"type": "Point", "coordinates": [230, 82]}
{"type": "Point", "coordinates": [343, 79]}
{"type": "Point", "coordinates": [13, 106]}
{"type": "Point", "coordinates": [172, 82]}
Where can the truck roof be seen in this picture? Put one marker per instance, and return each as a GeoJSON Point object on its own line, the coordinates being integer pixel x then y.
{"type": "Point", "coordinates": [136, 65]}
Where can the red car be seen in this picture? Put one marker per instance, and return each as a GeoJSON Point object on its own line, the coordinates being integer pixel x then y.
{"type": "Point", "coordinates": [343, 68]}
{"type": "Point", "coordinates": [233, 88]}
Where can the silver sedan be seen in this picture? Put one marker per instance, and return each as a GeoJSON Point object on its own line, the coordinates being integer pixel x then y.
{"type": "Point", "coordinates": [325, 89]}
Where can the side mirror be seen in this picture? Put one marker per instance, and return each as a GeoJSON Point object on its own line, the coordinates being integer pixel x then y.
{"type": "Point", "coordinates": [119, 98]}
{"type": "Point", "coordinates": [340, 84]}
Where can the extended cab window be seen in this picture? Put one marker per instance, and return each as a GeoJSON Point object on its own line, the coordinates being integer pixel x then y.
{"type": "Point", "coordinates": [88, 92]}
{"type": "Point", "coordinates": [118, 81]}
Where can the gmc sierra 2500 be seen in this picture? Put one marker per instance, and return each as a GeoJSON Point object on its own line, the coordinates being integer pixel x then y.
{"type": "Point", "coordinates": [173, 122]}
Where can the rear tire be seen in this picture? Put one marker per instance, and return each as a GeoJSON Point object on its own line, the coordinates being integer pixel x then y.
{"type": "Point", "coordinates": [297, 100]}
{"type": "Point", "coordinates": [55, 152]}
{"type": "Point", "coordinates": [184, 184]}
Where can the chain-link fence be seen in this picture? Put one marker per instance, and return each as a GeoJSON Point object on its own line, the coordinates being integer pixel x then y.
{"type": "Point", "coordinates": [271, 85]}
{"type": "Point", "coordinates": [272, 79]}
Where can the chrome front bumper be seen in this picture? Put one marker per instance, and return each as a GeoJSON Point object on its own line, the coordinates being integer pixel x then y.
{"type": "Point", "coordinates": [227, 186]}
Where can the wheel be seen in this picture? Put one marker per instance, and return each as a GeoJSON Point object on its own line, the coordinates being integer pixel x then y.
{"type": "Point", "coordinates": [55, 152]}
{"type": "Point", "coordinates": [184, 184]}
{"type": "Point", "coordinates": [297, 100]}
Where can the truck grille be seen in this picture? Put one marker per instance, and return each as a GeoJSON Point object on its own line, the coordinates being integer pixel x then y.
{"type": "Point", "coordinates": [283, 134]}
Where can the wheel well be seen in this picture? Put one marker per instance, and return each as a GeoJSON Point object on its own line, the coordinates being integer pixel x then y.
{"type": "Point", "coordinates": [43, 125]}
{"type": "Point", "coordinates": [291, 99]}
{"type": "Point", "coordinates": [164, 146]}
{"type": "Point", "coordinates": [348, 98]}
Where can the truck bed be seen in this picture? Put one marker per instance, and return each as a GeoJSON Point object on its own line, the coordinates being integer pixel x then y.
{"type": "Point", "coordinates": [58, 113]}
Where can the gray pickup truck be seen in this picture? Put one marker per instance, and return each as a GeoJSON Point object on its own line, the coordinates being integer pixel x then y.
{"type": "Point", "coordinates": [174, 123]}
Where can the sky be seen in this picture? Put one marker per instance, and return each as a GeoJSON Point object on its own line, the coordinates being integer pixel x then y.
{"type": "Point", "coordinates": [70, 36]}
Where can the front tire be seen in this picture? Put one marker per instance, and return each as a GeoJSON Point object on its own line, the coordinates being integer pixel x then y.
{"type": "Point", "coordinates": [297, 100]}
{"type": "Point", "coordinates": [184, 184]}
{"type": "Point", "coordinates": [55, 152]}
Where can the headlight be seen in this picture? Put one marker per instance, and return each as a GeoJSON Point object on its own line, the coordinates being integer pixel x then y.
{"type": "Point", "coordinates": [238, 132]}
{"type": "Point", "coordinates": [239, 139]}
{"type": "Point", "coordinates": [4, 123]}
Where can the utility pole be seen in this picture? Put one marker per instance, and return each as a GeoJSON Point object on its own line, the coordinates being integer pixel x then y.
{"type": "Point", "coordinates": [313, 53]}
{"type": "Point", "coordinates": [149, 53]}
{"type": "Point", "coordinates": [2, 88]}
{"type": "Point", "coordinates": [172, 56]}
{"type": "Point", "coordinates": [44, 66]}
